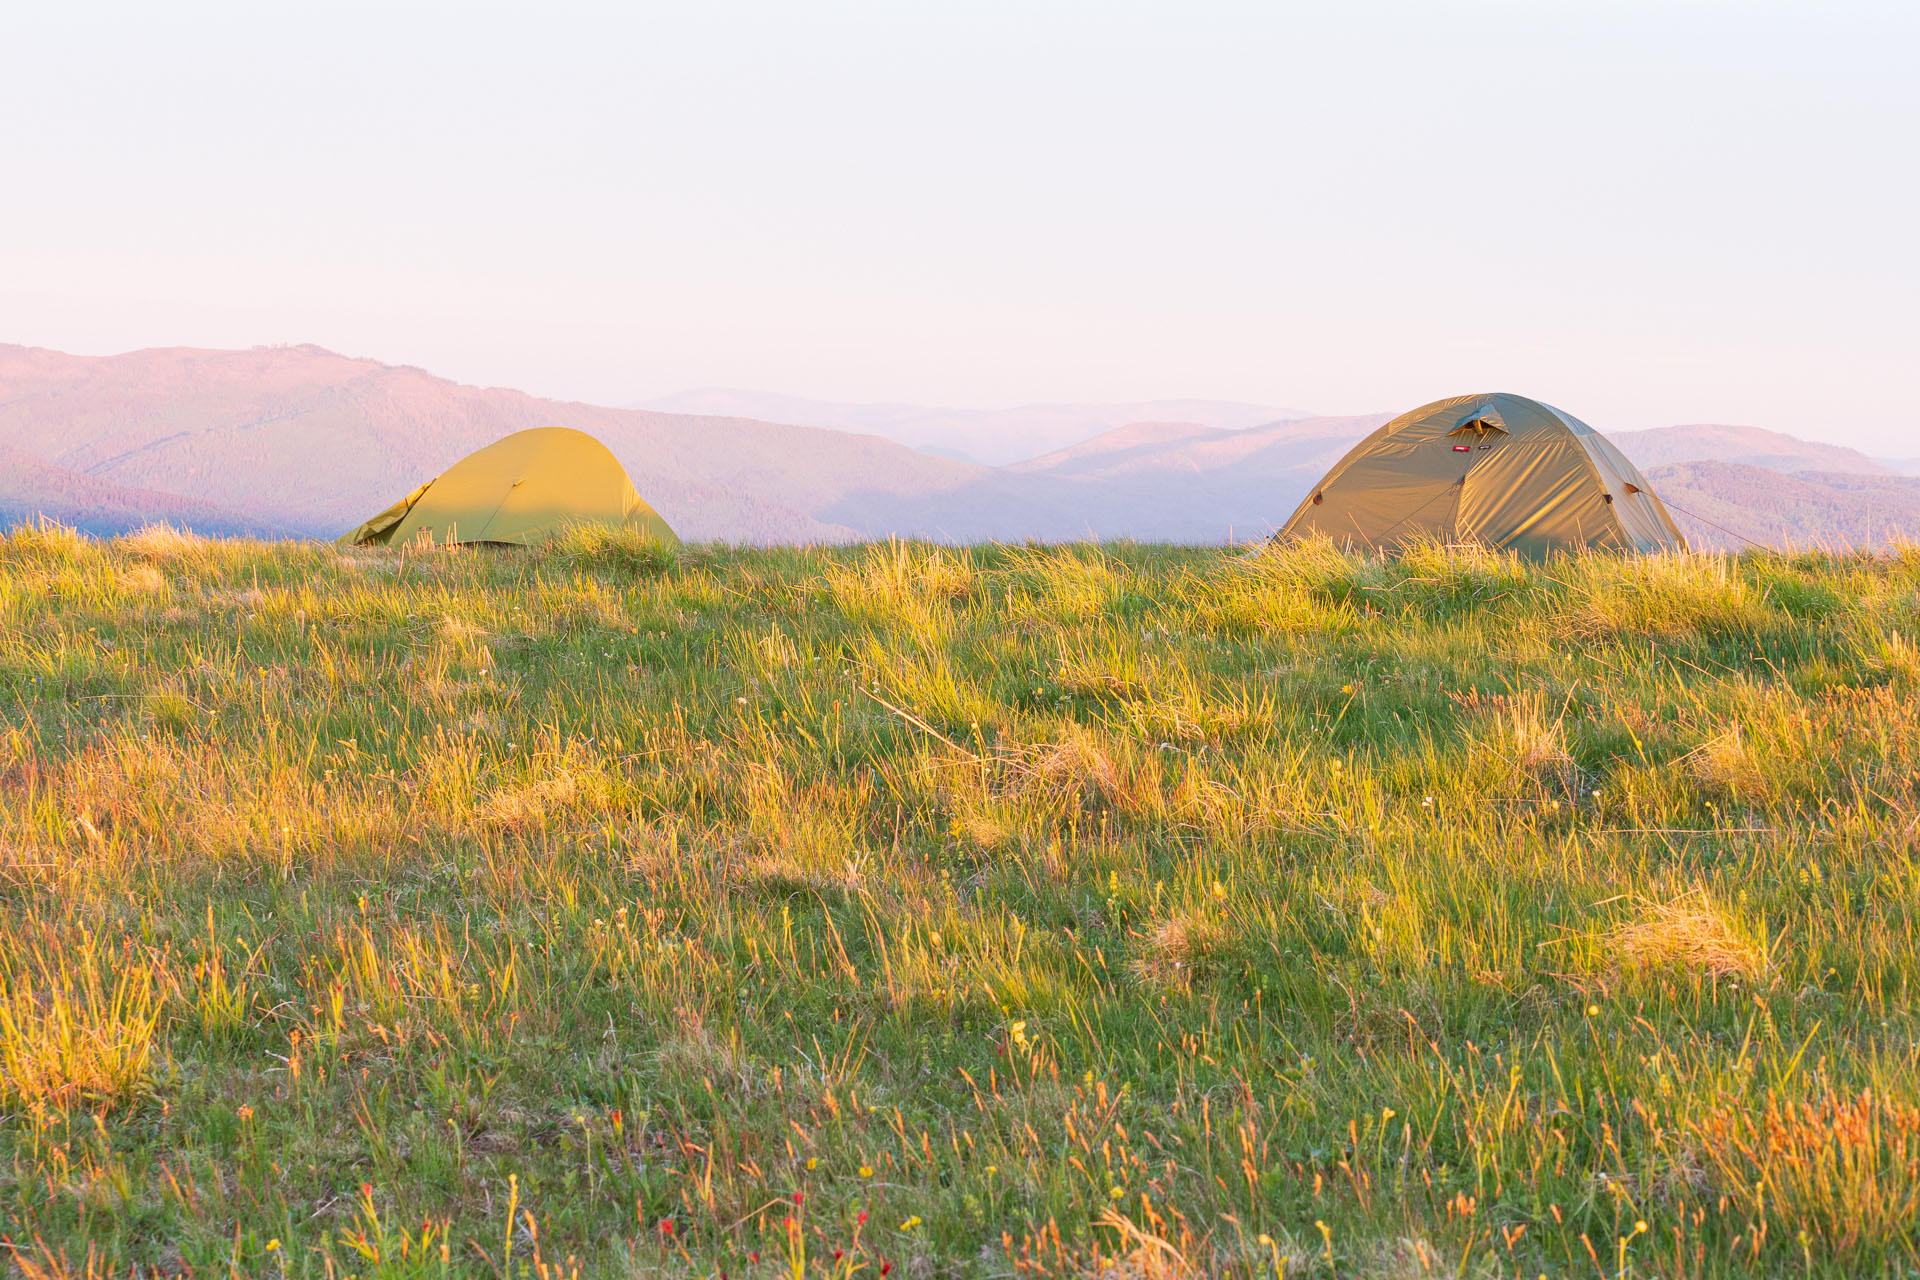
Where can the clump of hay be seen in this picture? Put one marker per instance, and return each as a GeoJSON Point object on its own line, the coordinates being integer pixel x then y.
{"type": "Point", "coordinates": [143, 580]}
{"type": "Point", "coordinates": [1522, 740]}
{"type": "Point", "coordinates": [1689, 932]}
{"type": "Point", "coordinates": [533, 804]}
{"type": "Point", "coordinates": [1178, 948]}
{"type": "Point", "coordinates": [1727, 765]}
{"type": "Point", "coordinates": [1077, 769]}
{"type": "Point", "coordinates": [692, 1052]}
{"type": "Point", "coordinates": [1076, 763]}
{"type": "Point", "coordinates": [978, 826]}
{"type": "Point", "coordinates": [162, 543]}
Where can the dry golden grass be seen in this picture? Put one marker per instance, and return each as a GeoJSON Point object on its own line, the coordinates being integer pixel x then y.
{"type": "Point", "coordinates": [1689, 933]}
{"type": "Point", "coordinates": [695, 1052]}
{"type": "Point", "coordinates": [142, 579]}
{"type": "Point", "coordinates": [1078, 773]}
{"type": "Point", "coordinates": [1179, 948]}
{"type": "Point", "coordinates": [982, 823]}
{"type": "Point", "coordinates": [1133, 1242]}
{"type": "Point", "coordinates": [615, 899]}
{"type": "Point", "coordinates": [1728, 765]}
{"type": "Point", "coordinates": [899, 580]}
{"type": "Point", "coordinates": [163, 544]}
{"type": "Point", "coordinates": [529, 804]}
{"type": "Point", "coordinates": [1524, 741]}
{"type": "Point", "coordinates": [1664, 595]}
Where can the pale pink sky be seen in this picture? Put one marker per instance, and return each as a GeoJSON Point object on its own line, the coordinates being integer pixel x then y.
{"type": "Point", "coordinates": [1645, 212]}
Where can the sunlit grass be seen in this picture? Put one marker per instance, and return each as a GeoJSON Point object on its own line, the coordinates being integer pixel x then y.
{"type": "Point", "coordinates": [1055, 911]}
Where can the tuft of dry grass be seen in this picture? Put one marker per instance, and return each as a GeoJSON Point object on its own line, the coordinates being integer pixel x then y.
{"type": "Point", "coordinates": [44, 1262]}
{"type": "Point", "coordinates": [1152, 1248]}
{"type": "Point", "coordinates": [1524, 739]}
{"type": "Point", "coordinates": [1076, 769]}
{"type": "Point", "coordinates": [696, 1052]}
{"type": "Point", "coordinates": [1899, 655]}
{"type": "Point", "coordinates": [532, 804]}
{"type": "Point", "coordinates": [1727, 765]}
{"type": "Point", "coordinates": [1668, 596]}
{"type": "Point", "coordinates": [143, 580]}
{"type": "Point", "coordinates": [901, 580]}
{"type": "Point", "coordinates": [1179, 948]}
{"type": "Point", "coordinates": [163, 543]}
{"type": "Point", "coordinates": [1692, 933]}
{"type": "Point", "coordinates": [981, 824]}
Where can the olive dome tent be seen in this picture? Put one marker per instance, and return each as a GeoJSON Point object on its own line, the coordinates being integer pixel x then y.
{"type": "Point", "coordinates": [522, 488]}
{"type": "Point", "coordinates": [1500, 470]}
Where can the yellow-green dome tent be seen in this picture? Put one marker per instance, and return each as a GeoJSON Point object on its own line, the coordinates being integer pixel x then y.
{"type": "Point", "coordinates": [520, 489]}
{"type": "Point", "coordinates": [1499, 470]}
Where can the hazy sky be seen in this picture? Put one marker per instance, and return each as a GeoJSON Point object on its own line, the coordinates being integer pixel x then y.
{"type": "Point", "coordinates": [1644, 213]}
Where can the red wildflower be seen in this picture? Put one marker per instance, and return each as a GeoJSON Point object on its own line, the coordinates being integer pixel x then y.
{"type": "Point", "coordinates": [862, 1218]}
{"type": "Point", "coordinates": [799, 1197]}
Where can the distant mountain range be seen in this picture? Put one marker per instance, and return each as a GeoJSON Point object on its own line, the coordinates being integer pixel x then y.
{"type": "Point", "coordinates": [993, 437]}
{"type": "Point", "coordinates": [299, 441]}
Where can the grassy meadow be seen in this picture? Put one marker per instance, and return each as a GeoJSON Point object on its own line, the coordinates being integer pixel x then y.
{"type": "Point", "coordinates": [1040, 911]}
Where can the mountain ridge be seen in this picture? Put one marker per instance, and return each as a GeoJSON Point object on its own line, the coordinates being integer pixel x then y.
{"type": "Point", "coordinates": [1756, 446]}
{"type": "Point", "coordinates": [301, 440]}
{"type": "Point", "coordinates": [991, 437]}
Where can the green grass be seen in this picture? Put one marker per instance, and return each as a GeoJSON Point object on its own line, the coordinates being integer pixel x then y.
{"type": "Point", "coordinates": [1088, 910]}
